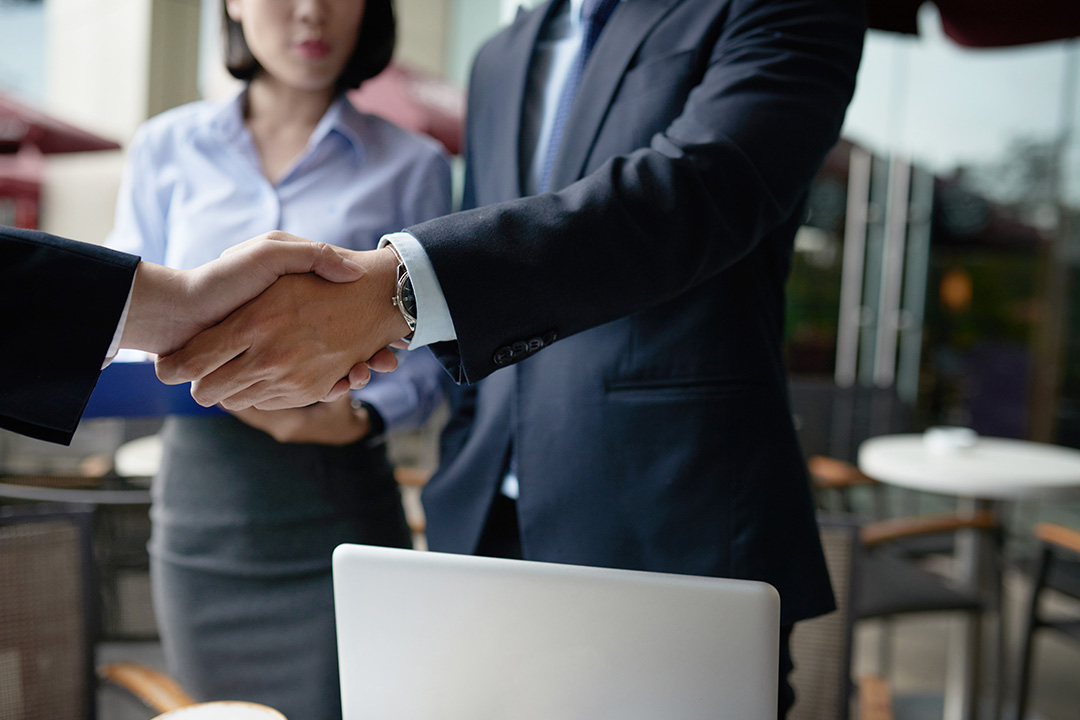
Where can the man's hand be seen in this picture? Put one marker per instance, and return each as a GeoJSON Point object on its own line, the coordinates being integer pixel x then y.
{"type": "Point", "coordinates": [330, 423]}
{"type": "Point", "coordinates": [299, 342]}
{"type": "Point", "coordinates": [169, 307]}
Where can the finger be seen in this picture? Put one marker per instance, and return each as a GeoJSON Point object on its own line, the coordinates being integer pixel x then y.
{"type": "Point", "coordinates": [335, 267]}
{"type": "Point", "coordinates": [278, 402]}
{"type": "Point", "coordinates": [400, 344]}
{"type": "Point", "coordinates": [383, 361]}
{"type": "Point", "coordinates": [359, 376]}
{"type": "Point", "coordinates": [239, 383]}
{"type": "Point", "coordinates": [284, 402]}
{"type": "Point", "coordinates": [205, 353]}
{"type": "Point", "coordinates": [267, 238]}
{"type": "Point", "coordinates": [272, 392]}
{"type": "Point", "coordinates": [285, 254]}
{"type": "Point", "coordinates": [258, 396]}
{"type": "Point", "coordinates": [340, 388]}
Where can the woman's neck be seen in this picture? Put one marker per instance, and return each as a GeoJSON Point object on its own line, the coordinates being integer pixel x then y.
{"type": "Point", "coordinates": [281, 120]}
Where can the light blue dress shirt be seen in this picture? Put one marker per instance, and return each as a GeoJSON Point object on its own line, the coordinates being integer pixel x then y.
{"type": "Point", "coordinates": [552, 58]}
{"type": "Point", "coordinates": [193, 187]}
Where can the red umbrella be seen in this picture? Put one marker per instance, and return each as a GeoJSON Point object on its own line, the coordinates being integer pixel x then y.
{"type": "Point", "coordinates": [22, 125]}
{"type": "Point", "coordinates": [416, 101]}
{"type": "Point", "coordinates": [985, 23]}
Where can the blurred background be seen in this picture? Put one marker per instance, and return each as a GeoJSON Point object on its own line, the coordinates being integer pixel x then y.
{"type": "Point", "coordinates": [940, 254]}
{"type": "Point", "coordinates": [936, 280]}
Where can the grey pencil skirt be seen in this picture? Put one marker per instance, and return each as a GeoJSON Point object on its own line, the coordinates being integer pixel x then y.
{"type": "Point", "coordinates": [243, 531]}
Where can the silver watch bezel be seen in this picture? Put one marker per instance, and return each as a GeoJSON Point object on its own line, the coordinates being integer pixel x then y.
{"type": "Point", "coordinates": [403, 276]}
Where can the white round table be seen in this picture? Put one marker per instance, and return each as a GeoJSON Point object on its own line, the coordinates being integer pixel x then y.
{"type": "Point", "coordinates": [992, 468]}
{"type": "Point", "coordinates": [139, 458]}
{"type": "Point", "coordinates": [982, 473]}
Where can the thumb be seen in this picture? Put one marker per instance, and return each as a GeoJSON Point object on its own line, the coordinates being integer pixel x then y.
{"type": "Point", "coordinates": [278, 253]}
{"type": "Point", "coordinates": [332, 265]}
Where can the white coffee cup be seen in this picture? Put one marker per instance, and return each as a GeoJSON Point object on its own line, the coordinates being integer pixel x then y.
{"type": "Point", "coordinates": [228, 710]}
{"type": "Point", "coordinates": [945, 440]}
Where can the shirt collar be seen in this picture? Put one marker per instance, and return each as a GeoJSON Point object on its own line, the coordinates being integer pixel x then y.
{"type": "Point", "coordinates": [341, 118]}
{"type": "Point", "coordinates": [576, 7]}
{"type": "Point", "coordinates": [344, 119]}
{"type": "Point", "coordinates": [227, 120]}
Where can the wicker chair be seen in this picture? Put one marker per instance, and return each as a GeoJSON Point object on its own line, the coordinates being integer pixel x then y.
{"type": "Point", "coordinates": [821, 647]}
{"type": "Point", "coordinates": [894, 580]}
{"type": "Point", "coordinates": [49, 620]}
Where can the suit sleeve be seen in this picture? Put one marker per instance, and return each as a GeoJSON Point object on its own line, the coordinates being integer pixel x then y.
{"type": "Point", "coordinates": [62, 301]}
{"type": "Point", "coordinates": [766, 106]}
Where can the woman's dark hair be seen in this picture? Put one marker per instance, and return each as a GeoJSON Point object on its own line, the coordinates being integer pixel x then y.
{"type": "Point", "coordinates": [374, 46]}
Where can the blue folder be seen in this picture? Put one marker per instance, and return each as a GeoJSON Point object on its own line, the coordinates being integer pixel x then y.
{"type": "Point", "coordinates": [131, 389]}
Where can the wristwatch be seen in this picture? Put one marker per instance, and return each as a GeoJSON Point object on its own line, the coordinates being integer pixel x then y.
{"type": "Point", "coordinates": [404, 298]}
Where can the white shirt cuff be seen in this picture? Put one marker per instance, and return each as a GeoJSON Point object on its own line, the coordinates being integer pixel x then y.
{"type": "Point", "coordinates": [114, 347]}
{"type": "Point", "coordinates": [433, 322]}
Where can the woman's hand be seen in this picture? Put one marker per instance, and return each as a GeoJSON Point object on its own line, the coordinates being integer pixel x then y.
{"type": "Point", "coordinates": [324, 423]}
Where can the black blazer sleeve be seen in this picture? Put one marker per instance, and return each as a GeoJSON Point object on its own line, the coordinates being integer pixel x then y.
{"type": "Point", "coordinates": [62, 301]}
{"type": "Point", "coordinates": [766, 89]}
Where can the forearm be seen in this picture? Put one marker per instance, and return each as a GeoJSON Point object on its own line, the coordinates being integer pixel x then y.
{"type": "Point", "coordinates": [154, 321]}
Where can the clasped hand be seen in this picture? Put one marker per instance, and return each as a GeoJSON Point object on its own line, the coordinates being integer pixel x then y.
{"type": "Point", "coordinates": [301, 340]}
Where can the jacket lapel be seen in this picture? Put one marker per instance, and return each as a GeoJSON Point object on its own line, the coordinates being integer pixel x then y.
{"type": "Point", "coordinates": [625, 30]}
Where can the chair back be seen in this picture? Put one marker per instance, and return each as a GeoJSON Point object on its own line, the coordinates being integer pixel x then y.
{"type": "Point", "coordinates": [46, 613]}
{"type": "Point", "coordinates": [833, 420]}
{"type": "Point", "coordinates": [821, 646]}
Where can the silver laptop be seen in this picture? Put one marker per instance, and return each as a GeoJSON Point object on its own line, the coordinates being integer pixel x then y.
{"type": "Point", "coordinates": [433, 636]}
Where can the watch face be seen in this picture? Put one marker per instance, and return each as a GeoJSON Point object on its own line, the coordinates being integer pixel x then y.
{"type": "Point", "coordinates": [406, 295]}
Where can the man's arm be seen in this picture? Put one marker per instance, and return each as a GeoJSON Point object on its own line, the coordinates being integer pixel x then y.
{"type": "Point", "coordinates": [64, 299]}
{"type": "Point", "coordinates": [61, 302]}
{"type": "Point", "coordinates": [766, 104]}
{"type": "Point", "coordinates": [731, 166]}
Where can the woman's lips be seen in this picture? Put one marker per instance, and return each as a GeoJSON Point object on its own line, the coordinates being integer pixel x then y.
{"type": "Point", "coordinates": [313, 49]}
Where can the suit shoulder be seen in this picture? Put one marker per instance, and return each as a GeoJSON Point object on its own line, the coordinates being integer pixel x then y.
{"type": "Point", "coordinates": [509, 37]}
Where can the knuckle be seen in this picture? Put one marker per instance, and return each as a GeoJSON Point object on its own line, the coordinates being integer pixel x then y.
{"type": "Point", "coordinates": [204, 397]}
{"type": "Point", "coordinates": [166, 372]}
{"type": "Point", "coordinates": [233, 404]}
{"type": "Point", "coordinates": [177, 368]}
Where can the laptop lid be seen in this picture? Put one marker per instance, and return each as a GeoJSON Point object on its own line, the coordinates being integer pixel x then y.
{"type": "Point", "coordinates": [433, 636]}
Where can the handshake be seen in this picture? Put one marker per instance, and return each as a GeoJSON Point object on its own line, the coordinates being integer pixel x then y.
{"type": "Point", "coordinates": [275, 322]}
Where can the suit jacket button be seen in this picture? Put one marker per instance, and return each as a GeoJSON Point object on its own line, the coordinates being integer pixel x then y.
{"type": "Point", "coordinates": [503, 356]}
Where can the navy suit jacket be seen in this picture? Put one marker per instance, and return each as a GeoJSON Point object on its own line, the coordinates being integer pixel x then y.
{"type": "Point", "coordinates": [61, 303]}
{"type": "Point", "coordinates": [627, 328]}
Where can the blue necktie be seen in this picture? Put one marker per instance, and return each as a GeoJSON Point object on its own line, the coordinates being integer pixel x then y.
{"type": "Point", "coordinates": [594, 14]}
